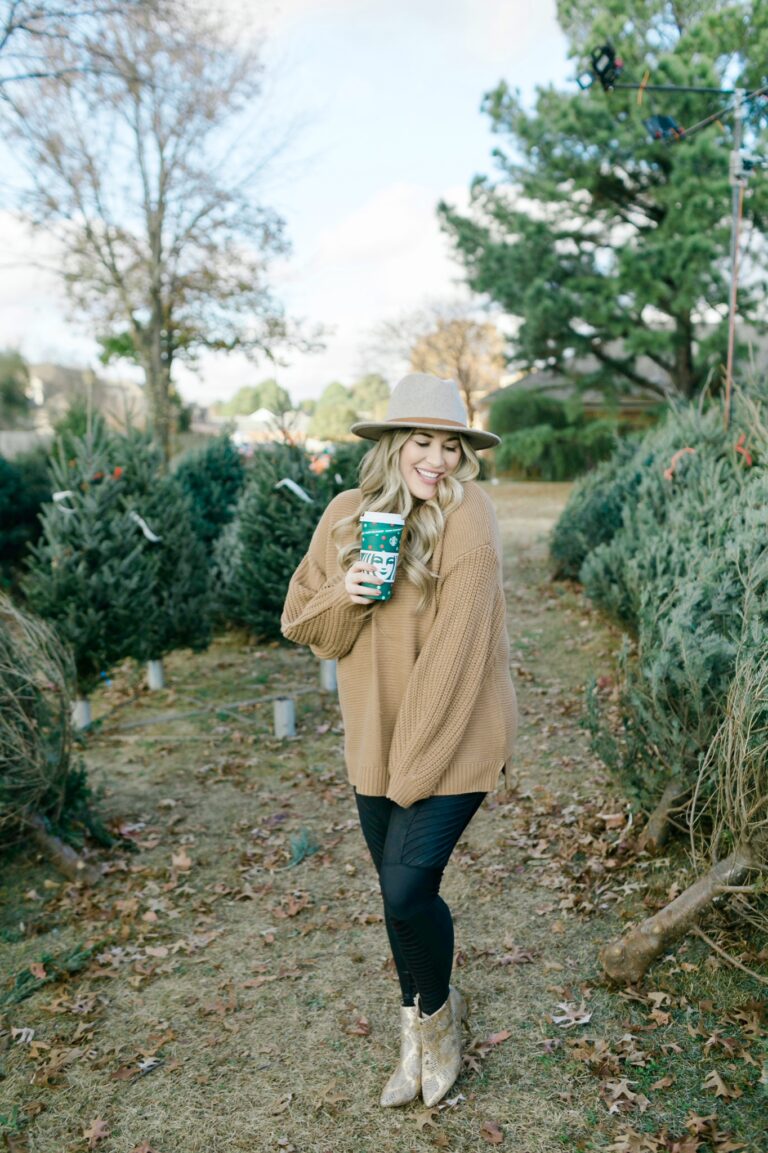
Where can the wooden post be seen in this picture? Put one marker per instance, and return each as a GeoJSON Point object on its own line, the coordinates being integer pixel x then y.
{"type": "Point", "coordinates": [285, 717]}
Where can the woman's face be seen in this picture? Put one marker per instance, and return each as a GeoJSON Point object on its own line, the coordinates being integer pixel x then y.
{"type": "Point", "coordinates": [425, 458]}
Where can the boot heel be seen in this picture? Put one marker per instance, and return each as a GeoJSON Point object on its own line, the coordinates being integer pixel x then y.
{"type": "Point", "coordinates": [441, 1048]}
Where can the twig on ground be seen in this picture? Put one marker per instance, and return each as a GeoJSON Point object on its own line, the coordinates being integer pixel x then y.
{"type": "Point", "coordinates": [727, 957]}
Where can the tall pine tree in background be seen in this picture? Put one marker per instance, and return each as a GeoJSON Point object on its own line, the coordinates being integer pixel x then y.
{"type": "Point", "coordinates": [604, 242]}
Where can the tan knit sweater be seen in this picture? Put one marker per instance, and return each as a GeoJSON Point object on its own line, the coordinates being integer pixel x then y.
{"type": "Point", "coordinates": [427, 699]}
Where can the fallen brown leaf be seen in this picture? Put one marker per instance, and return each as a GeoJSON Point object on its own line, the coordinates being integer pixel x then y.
{"type": "Point", "coordinates": [181, 861]}
{"type": "Point", "coordinates": [424, 1118]}
{"type": "Point", "coordinates": [359, 1028]}
{"type": "Point", "coordinates": [497, 1038]}
{"type": "Point", "coordinates": [124, 1073]}
{"type": "Point", "coordinates": [490, 1132]}
{"type": "Point", "coordinates": [572, 1015]}
{"type": "Point", "coordinates": [714, 1082]}
{"type": "Point", "coordinates": [96, 1132]}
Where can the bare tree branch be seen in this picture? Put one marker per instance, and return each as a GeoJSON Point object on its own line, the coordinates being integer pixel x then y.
{"type": "Point", "coordinates": [448, 341]}
{"type": "Point", "coordinates": [141, 166]}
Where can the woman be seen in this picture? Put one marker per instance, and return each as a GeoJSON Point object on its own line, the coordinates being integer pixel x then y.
{"type": "Point", "coordinates": [428, 704]}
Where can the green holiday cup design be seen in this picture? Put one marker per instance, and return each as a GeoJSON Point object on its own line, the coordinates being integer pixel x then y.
{"type": "Point", "coordinates": [380, 546]}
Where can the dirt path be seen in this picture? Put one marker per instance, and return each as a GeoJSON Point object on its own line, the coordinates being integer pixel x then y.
{"type": "Point", "coordinates": [241, 996]}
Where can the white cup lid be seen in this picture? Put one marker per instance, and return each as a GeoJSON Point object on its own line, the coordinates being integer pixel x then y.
{"type": "Point", "coordinates": [383, 517]}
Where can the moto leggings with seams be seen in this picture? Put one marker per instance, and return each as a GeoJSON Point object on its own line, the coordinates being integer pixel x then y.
{"type": "Point", "coordinates": [410, 849]}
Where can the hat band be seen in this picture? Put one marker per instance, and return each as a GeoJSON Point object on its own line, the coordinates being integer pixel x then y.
{"type": "Point", "coordinates": [425, 420]}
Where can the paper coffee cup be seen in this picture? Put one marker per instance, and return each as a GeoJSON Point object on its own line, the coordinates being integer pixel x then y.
{"type": "Point", "coordinates": [380, 546]}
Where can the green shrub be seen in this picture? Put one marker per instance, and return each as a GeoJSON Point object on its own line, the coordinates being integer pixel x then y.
{"type": "Point", "coordinates": [543, 452]}
{"type": "Point", "coordinates": [696, 598]}
{"type": "Point", "coordinates": [212, 477]}
{"type": "Point", "coordinates": [593, 514]}
{"type": "Point", "coordinates": [615, 571]}
{"type": "Point", "coordinates": [24, 485]}
{"type": "Point", "coordinates": [520, 409]}
{"type": "Point", "coordinates": [84, 573]}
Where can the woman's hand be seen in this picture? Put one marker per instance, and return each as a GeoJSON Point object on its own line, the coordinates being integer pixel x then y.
{"type": "Point", "coordinates": [353, 582]}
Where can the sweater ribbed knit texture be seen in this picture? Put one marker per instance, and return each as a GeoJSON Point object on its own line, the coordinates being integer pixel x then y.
{"type": "Point", "coordinates": [427, 699]}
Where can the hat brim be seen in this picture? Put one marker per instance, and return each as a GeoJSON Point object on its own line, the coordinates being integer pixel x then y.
{"type": "Point", "coordinates": [371, 430]}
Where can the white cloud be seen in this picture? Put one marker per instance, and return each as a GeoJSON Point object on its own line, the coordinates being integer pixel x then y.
{"type": "Point", "coordinates": [32, 301]}
{"type": "Point", "coordinates": [384, 259]}
{"type": "Point", "coordinates": [387, 253]}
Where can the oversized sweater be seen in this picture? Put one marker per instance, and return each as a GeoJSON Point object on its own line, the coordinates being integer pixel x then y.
{"type": "Point", "coordinates": [427, 699]}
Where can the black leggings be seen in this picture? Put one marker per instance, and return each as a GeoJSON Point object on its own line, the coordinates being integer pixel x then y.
{"type": "Point", "coordinates": [410, 849]}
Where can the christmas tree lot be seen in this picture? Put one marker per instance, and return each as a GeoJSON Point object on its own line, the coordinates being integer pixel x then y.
{"type": "Point", "coordinates": [118, 569]}
{"type": "Point", "coordinates": [684, 570]}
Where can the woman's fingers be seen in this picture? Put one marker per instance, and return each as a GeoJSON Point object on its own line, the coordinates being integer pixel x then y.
{"type": "Point", "coordinates": [358, 577]}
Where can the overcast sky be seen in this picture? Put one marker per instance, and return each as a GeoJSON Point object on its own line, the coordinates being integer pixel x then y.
{"type": "Point", "coordinates": [387, 97]}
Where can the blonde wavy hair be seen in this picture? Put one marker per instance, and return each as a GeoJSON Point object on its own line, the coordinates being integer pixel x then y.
{"type": "Point", "coordinates": [384, 489]}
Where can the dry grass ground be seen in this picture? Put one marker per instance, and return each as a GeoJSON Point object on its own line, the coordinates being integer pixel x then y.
{"type": "Point", "coordinates": [240, 996]}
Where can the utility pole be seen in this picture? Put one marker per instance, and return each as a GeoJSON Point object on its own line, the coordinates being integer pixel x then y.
{"type": "Point", "coordinates": [738, 180]}
{"type": "Point", "coordinates": [607, 67]}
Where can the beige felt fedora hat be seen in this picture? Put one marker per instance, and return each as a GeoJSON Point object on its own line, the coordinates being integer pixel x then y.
{"type": "Point", "coordinates": [423, 401]}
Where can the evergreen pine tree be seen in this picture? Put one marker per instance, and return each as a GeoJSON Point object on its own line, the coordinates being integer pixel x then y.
{"type": "Point", "coordinates": [673, 574]}
{"type": "Point", "coordinates": [85, 574]}
{"type": "Point", "coordinates": [258, 552]}
{"type": "Point", "coordinates": [98, 574]}
{"type": "Point", "coordinates": [176, 608]}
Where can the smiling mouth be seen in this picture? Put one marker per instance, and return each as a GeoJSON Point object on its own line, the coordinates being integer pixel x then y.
{"type": "Point", "coordinates": [428, 476]}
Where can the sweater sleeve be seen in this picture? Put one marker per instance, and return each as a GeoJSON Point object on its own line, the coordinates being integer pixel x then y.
{"type": "Point", "coordinates": [446, 679]}
{"type": "Point", "coordinates": [317, 610]}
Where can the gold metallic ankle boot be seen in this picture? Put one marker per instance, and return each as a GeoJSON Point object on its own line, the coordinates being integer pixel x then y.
{"type": "Point", "coordinates": [404, 1084]}
{"type": "Point", "coordinates": [441, 1047]}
